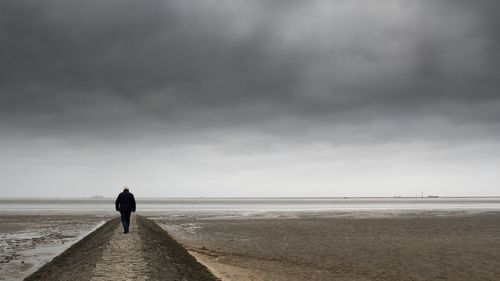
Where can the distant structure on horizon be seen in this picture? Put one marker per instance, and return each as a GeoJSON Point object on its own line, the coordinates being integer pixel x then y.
{"type": "Point", "coordinates": [97, 196]}
{"type": "Point", "coordinates": [422, 196]}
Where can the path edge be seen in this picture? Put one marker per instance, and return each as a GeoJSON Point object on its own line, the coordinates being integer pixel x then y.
{"type": "Point", "coordinates": [159, 243]}
{"type": "Point", "coordinates": [67, 262]}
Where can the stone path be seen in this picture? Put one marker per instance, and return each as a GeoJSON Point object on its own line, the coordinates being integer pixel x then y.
{"type": "Point", "coordinates": [147, 252]}
{"type": "Point", "coordinates": [123, 257]}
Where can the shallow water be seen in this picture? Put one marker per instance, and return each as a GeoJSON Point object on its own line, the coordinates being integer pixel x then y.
{"type": "Point", "coordinates": [182, 205]}
{"type": "Point", "coordinates": [29, 241]}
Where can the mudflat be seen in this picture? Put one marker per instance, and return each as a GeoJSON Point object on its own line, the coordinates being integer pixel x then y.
{"type": "Point", "coordinates": [441, 245]}
{"type": "Point", "coordinates": [27, 241]}
{"type": "Point", "coordinates": [412, 246]}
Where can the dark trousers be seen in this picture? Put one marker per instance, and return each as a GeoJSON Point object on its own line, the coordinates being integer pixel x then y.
{"type": "Point", "coordinates": [125, 220]}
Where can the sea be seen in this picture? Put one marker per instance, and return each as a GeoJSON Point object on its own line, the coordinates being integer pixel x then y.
{"type": "Point", "coordinates": [252, 205]}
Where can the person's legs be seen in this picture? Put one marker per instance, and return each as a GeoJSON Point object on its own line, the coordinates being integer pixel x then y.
{"type": "Point", "coordinates": [127, 221]}
{"type": "Point", "coordinates": [124, 221]}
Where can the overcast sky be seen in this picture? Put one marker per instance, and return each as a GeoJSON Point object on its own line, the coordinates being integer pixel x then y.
{"type": "Point", "coordinates": [250, 98]}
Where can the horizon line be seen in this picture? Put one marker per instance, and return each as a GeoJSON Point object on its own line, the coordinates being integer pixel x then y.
{"type": "Point", "coordinates": [253, 197]}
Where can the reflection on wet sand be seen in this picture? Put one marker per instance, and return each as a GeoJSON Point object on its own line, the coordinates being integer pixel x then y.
{"type": "Point", "coordinates": [29, 241]}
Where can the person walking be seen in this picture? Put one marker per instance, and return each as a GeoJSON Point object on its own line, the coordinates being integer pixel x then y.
{"type": "Point", "coordinates": [125, 204]}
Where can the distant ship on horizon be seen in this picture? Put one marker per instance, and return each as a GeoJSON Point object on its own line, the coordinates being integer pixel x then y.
{"type": "Point", "coordinates": [96, 196]}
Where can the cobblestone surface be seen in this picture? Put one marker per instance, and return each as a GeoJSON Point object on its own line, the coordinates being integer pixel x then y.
{"type": "Point", "coordinates": [123, 257]}
{"type": "Point", "coordinates": [147, 252]}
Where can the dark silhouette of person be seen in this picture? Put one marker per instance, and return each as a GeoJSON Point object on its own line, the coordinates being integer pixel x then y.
{"type": "Point", "coordinates": [125, 204]}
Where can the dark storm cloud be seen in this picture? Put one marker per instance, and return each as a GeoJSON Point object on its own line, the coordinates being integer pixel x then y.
{"type": "Point", "coordinates": [97, 67]}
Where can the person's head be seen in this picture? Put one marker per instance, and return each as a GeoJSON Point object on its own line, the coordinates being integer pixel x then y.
{"type": "Point", "coordinates": [125, 188]}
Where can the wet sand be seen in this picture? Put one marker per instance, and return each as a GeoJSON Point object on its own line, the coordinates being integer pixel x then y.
{"type": "Point", "coordinates": [27, 241]}
{"type": "Point", "coordinates": [347, 246]}
{"type": "Point", "coordinates": [406, 246]}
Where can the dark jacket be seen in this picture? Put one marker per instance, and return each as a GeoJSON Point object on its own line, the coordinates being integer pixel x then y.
{"type": "Point", "coordinates": [125, 202]}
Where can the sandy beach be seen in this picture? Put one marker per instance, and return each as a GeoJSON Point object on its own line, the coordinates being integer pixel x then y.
{"type": "Point", "coordinates": [410, 246]}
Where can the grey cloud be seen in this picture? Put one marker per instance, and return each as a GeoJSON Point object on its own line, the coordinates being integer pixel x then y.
{"type": "Point", "coordinates": [97, 68]}
{"type": "Point", "coordinates": [246, 98]}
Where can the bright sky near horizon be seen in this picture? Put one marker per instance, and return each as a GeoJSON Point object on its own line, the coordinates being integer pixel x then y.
{"type": "Point", "coordinates": [249, 98]}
